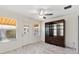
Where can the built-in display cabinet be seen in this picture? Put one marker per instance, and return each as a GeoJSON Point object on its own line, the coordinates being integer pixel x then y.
{"type": "Point", "coordinates": [55, 32]}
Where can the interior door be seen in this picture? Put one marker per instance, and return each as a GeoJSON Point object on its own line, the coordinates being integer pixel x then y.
{"type": "Point", "coordinates": [55, 33]}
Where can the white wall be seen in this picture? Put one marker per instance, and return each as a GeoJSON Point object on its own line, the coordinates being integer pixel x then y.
{"type": "Point", "coordinates": [20, 38]}
{"type": "Point", "coordinates": [71, 30]}
{"type": "Point", "coordinates": [29, 36]}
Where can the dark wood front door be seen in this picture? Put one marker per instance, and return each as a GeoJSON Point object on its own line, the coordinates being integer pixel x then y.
{"type": "Point", "coordinates": [55, 33]}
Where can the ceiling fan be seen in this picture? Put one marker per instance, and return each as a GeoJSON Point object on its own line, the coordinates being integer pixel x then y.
{"type": "Point", "coordinates": [43, 13]}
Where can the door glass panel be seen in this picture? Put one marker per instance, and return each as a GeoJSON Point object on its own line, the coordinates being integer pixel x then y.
{"type": "Point", "coordinates": [61, 32]}
{"type": "Point", "coordinates": [47, 29]}
{"type": "Point", "coordinates": [60, 29]}
{"type": "Point", "coordinates": [55, 30]}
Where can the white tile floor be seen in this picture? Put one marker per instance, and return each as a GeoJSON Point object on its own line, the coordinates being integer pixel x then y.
{"type": "Point", "coordinates": [41, 48]}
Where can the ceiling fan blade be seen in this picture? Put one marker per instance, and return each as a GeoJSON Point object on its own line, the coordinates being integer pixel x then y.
{"type": "Point", "coordinates": [49, 14]}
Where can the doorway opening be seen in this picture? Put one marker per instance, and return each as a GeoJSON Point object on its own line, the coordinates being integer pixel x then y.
{"type": "Point", "coordinates": [7, 29]}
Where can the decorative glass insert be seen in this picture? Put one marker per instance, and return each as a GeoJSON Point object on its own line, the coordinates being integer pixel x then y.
{"type": "Point", "coordinates": [55, 29]}
{"type": "Point", "coordinates": [47, 29]}
{"type": "Point", "coordinates": [60, 28]}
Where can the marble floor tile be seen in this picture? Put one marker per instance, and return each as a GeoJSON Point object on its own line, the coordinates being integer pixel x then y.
{"type": "Point", "coordinates": [41, 48]}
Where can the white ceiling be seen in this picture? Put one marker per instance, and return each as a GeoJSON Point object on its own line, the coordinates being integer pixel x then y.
{"type": "Point", "coordinates": [33, 10]}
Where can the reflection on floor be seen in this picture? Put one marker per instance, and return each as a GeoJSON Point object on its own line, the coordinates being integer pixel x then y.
{"type": "Point", "coordinates": [41, 48]}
